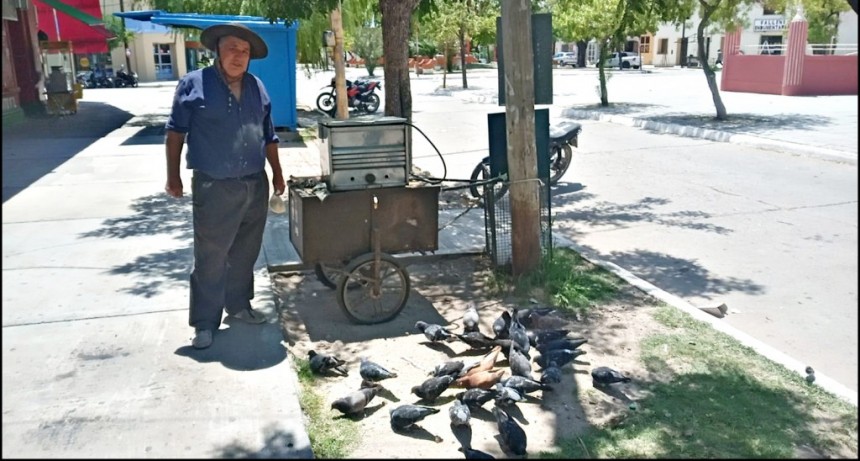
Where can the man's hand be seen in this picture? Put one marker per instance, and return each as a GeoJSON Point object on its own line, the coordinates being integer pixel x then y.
{"type": "Point", "coordinates": [278, 184]}
{"type": "Point", "coordinates": [174, 187]}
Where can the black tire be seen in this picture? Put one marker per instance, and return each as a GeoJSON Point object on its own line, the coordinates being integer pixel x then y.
{"type": "Point", "coordinates": [625, 65]}
{"type": "Point", "coordinates": [559, 162]}
{"type": "Point", "coordinates": [365, 305]}
{"type": "Point", "coordinates": [480, 173]}
{"type": "Point", "coordinates": [326, 102]}
{"type": "Point", "coordinates": [372, 104]}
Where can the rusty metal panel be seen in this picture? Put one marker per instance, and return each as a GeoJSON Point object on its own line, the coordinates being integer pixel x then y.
{"type": "Point", "coordinates": [340, 227]}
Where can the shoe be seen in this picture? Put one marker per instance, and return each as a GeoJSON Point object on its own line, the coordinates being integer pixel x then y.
{"type": "Point", "coordinates": [202, 339]}
{"type": "Point", "coordinates": [250, 316]}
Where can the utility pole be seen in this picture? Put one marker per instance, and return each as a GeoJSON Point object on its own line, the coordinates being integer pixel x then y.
{"type": "Point", "coordinates": [342, 105]}
{"type": "Point", "coordinates": [520, 127]}
{"type": "Point", "coordinates": [124, 40]}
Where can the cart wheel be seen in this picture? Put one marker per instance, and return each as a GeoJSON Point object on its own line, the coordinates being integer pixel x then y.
{"type": "Point", "coordinates": [376, 300]}
{"type": "Point", "coordinates": [329, 275]}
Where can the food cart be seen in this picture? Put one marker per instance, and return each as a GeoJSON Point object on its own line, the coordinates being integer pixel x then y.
{"type": "Point", "coordinates": [58, 69]}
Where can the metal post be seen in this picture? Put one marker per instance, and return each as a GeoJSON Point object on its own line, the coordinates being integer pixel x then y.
{"type": "Point", "coordinates": [124, 40]}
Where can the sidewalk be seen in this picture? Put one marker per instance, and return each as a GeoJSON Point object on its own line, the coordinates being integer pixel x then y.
{"type": "Point", "coordinates": [96, 347]}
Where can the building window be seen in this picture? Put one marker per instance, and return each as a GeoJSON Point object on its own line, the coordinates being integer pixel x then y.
{"type": "Point", "coordinates": [663, 46]}
{"type": "Point", "coordinates": [767, 10]}
{"type": "Point", "coordinates": [644, 44]}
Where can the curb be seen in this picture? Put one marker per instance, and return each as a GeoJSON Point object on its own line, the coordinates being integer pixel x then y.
{"type": "Point", "coordinates": [715, 135]}
{"type": "Point", "coordinates": [792, 364]}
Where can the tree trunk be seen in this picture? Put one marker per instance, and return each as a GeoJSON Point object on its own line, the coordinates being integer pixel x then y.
{"type": "Point", "coordinates": [520, 127]}
{"type": "Point", "coordinates": [581, 50]}
{"type": "Point", "coordinates": [703, 61]}
{"type": "Point", "coordinates": [339, 71]}
{"type": "Point", "coordinates": [396, 16]}
{"type": "Point", "coordinates": [463, 56]}
{"type": "Point", "coordinates": [445, 68]}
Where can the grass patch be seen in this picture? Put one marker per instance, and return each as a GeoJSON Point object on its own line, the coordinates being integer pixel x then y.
{"type": "Point", "coordinates": [564, 280]}
{"type": "Point", "coordinates": [710, 397]}
{"type": "Point", "coordinates": [330, 437]}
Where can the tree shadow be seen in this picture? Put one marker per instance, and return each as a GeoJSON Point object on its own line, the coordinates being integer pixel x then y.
{"type": "Point", "coordinates": [277, 443]}
{"type": "Point", "coordinates": [38, 145]}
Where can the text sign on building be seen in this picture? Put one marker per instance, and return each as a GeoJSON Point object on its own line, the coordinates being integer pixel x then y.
{"type": "Point", "coordinates": [768, 23]}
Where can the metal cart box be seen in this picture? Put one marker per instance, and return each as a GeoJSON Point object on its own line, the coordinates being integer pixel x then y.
{"type": "Point", "coordinates": [340, 227]}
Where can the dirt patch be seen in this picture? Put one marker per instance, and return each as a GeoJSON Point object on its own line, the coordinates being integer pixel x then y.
{"type": "Point", "coordinates": [441, 292]}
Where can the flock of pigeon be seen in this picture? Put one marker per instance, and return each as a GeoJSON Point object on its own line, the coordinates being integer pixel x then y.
{"type": "Point", "coordinates": [517, 335]}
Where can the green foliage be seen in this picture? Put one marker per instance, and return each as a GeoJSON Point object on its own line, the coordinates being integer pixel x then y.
{"type": "Point", "coordinates": [822, 16]}
{"type": "Point", "coordinates": [121, 34]}
{"type": "Point", "coordinates": [368, 45]}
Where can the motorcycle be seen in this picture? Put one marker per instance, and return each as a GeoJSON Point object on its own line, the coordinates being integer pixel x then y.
{"type": "Point", "coordinates": [562, 137]}
{"type": "Point", "coordinates": [361, 96]}
{"type": "Point", "coordinates": [124, 79]}
{"type": "Point", "coordinates": [89, 79]}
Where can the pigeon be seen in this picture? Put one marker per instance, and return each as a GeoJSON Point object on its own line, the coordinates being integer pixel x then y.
{"type": "Point", "coordinates": [476, 396]}
{"type": "Point", "coordinates": [405, 416]}
{"type": "Point", "coordinates": [486, 363]}
{"type": "Point", "coordinates": [561, 357]}
{"type": "Point", "coordinates": [450, 368]}
{"type": "Point", "coordinates": [530, 316]}
{"type": "Point", "coordinates": [502, 325]}
{"type": "Point", "coordinates": [471, 319]}
{"type": "Point", "coordinates": [551, 374]}
{"type": "Point", "coordinates": [512, 435]}
{"type": "Point", "coordinates": [518, 333]}
{"type": "Point", "coordinates": [604, 376]}
{"type": "Point", "coordinates": [563, 343]}
{"type": "Point", "coordinates": [432, 388]}
{"type": "Point", "coordinates": [355, 401]}
{"type": "Point", "coordinates": [519, 362]}
{"type": "Point", "coordinates": [507, 396]}
{"type": "Point", "coordinates": [524, 385]}
{"type": "Point", "coordinates": [459, 413]}
{"type": "Point", "coordinates": [541, 336]}
{"type": "Point", "coordinates": [476, 340]}
{"type": "Point", "coordinates": [483, 379]}
{"type": "Point", "coordinates": [433, 332]}
{"type": "Point", "coordinates": [322, 363]}
{"type": "Point", "coordinates": [374, 372]}
{"type": "Point", "coordinates": [475, 454]}
{"type": "Point", "coordinates": [810, 375]}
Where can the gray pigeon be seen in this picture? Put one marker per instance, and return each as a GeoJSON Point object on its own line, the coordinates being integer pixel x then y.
{"type": "Point", "coordinates": [563, 343]}
{"type": "Point", "coordinates": [518, 333]}
{"type": "Point", "coordinates": [551, 374]}
{"type": "Point", "coordinates": [475, 454]}
{"type": "Point", "coordinates": [507, 396]}
{"type": "Point", "coordinates": [471, 319]}
{"type": "Point", "coordinates": [373, 372]}
{"type": "Point", "coordinates": [322, 363]}
{"type": "Point", "coordinates": [450, 368]}
{"type": "Point", "coordinates": [541, 336]}
{"type": "Point", "coordinates": [432, 388]}
{"type": "Point", "coordinates": [405, 416]}
{"type": "Point", "coordinates": [502, 325]}
{"type": "Point", "coordinates": [476, 340]}
{"type": "Point", "coordinates": [524, 385]}
{"type": "Point", "coordinates": [604, 376]}
{"type": "Point", "coordinates": [476, 397]}
{"type": "Point", "coordinates": [512, 435]}
{"type": "Point", "coordinates": [519, 362]}
{"type": "Point", "coordinates": [561, 357]}
{"type": "Point", "coordinates": [433, 332]}
{"type": "Point", "coordinates": [355, 401]}
{"type": "Point", "coordinates": [459, 413]}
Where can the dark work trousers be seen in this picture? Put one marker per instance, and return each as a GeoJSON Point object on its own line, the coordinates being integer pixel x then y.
{"type": "Point", "coordinates": [229, 219]}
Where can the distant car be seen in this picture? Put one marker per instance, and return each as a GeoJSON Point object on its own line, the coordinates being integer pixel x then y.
{"type": "Point", "coordinates": [565, 58]}
{"type": "Point", "coordinates": [628, 60]}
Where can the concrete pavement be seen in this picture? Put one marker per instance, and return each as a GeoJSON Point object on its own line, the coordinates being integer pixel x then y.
{"type": "Point", "coordinates": [96, 355]}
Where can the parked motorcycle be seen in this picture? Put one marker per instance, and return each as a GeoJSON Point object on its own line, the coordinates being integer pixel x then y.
{"type": "Point", "coordinates": [124, 79]}
{"type": "Point", "coordinates": [92, 80]}
{"type": "Point", "coordinates": [562, 136]}
{"type": "Point", "coordinates": [361, 96]}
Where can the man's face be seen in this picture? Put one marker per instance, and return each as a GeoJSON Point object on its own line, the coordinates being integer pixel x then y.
{"type": "Point", "coordinates": [235, 54]}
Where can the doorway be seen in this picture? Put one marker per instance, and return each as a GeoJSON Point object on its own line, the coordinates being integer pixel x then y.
{"type": "Point", "coordinates": [163, 56]}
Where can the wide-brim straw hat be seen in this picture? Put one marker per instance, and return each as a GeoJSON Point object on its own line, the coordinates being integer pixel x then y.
{"type": "Point", "coordinates": [212, 34]}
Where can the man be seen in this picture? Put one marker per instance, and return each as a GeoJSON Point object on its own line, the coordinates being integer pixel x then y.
{"type": "Point", "coordinates": [224, 114]}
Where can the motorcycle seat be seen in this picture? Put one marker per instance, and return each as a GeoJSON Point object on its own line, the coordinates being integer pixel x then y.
{"type": "Point", "coordinates": [564, 132]}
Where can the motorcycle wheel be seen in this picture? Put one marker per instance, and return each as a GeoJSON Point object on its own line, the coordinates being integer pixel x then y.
{"type": "Point", "coordinates": [326, 102]}
{"type": "Point", "coordinates": [372, 104]}
{"type": "Point", "coordinates": [559, 162]}
{"type": "Point", "coordinates": [482, 173]}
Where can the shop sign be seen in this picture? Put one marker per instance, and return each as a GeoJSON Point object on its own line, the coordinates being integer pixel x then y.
{"type": "Point", "coordinates": [768, 24]}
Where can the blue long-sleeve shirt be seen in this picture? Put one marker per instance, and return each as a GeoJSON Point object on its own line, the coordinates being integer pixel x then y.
{"type": "Point", "coordinates": [226, 138]}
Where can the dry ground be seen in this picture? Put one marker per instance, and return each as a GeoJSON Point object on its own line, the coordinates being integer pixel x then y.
{"type": "Point", "coordinates": [441, 291]}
